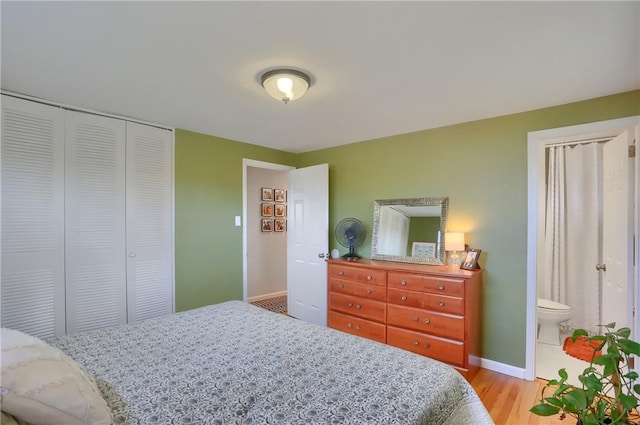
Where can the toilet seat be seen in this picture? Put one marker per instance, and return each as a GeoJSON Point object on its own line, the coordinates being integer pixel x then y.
{"type": "Point", "coordinates": [552, 305]}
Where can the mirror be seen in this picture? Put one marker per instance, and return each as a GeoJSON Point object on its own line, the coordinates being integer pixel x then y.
{"type": "Point", "coordinates": [409, 230]}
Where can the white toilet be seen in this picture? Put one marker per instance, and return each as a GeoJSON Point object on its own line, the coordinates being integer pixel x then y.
{"type": "Point", "coordinates": [550, 315]}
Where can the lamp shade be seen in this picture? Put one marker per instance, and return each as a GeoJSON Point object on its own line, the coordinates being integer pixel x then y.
{"type": "Point", "coordinates": [453, 241]}
{"type": "Point", "coordinates": [285, 84]}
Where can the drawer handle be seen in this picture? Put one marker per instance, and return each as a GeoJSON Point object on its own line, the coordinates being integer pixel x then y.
{"type": "Point", "coordinates": [369, 291]}
{"type": "Point", "coordinates": [341, 286]}
{"type": "Point", "coordinates": [427, 345]}
{"type": "Point", "coordinates": [416, 343]}
{"type": "Point", "coordinates": [416, 319]}
{"type": "Point", "coordinates": [441, 287]}
{"type": "Point", "coordinates": [403, 283]}
{"type": "Point", "coordinates": [403, 298]}
{"type": "Point", "coordinates": [340, 273]}
{"type": "Point", "coordinates": [358, 306]}
{"type": "Point", "coordinates": [369, 277]}
{"type": "Point", "coordinates": [357, 327]}
{"type": "Point", "coordinates": [441, 303]}
{"type": "Point", "coordinates": [348, 325]}
{"type": "Point", "coordinates": [427, 321]}
{"type": "Point", "coordinates": [350, 304]}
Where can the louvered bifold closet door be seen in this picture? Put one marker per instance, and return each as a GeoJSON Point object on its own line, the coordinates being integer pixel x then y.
{"type": "Point", "coordinates": [32, 217]}
{"type": "Point", "coordinates": [149, 221]}
{"type": "Point", "coordinates": [95, 222]}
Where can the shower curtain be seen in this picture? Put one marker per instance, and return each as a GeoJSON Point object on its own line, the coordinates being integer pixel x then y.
{"type": "Point", "coordinates": [573, 232]}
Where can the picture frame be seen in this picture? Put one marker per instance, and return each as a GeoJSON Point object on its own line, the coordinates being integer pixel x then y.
{"type": "Point", "coordinates": [266, 224]}
{"type": "Point", "coordinates": [279, 225]}
{"type": "Point", "coordinates": [470, 261]}
{"type": "Point", "coordinates": [423, 249]}
{"type": "Point", "coordinates": [267, 194]}
{"type": "Point", "coordinates": [279, 210]}
{"type": "Point", "coordinates": [267, 210]}
{"type": "Point", "coordinates": [279, 195]}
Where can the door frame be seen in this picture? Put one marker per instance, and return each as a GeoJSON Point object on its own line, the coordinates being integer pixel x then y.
{"type": "Point", "coordinates": [536, 143]}
{"type": "Point", "coordinates": [256, 164]}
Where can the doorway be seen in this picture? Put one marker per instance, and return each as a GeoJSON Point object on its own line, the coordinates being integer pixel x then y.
{"type": "Point", "coordinates": [300, 264]}
{"type": "Point", "coordinates": [537, 165]}
{"type": "Point", "coordinates": [264, 253]}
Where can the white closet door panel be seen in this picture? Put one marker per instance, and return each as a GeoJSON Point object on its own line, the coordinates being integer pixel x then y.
{"type": "Point", "coordinates": [95, 221]}
{"type": "Point", "coordinates": [149, 221]}
{"type": "Point", "coordinates": [32, 217]}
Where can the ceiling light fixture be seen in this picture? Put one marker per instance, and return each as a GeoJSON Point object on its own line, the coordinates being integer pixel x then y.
{"type": "Point", "coordinates": [285, 84]}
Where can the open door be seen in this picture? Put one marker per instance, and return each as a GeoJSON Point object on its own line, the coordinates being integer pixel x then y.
{"type": "Point", "coordinates": [617, 243]}
{"type": "Point", "coordinates": [308, 243]}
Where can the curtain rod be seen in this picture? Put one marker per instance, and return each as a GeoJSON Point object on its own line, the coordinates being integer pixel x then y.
{"type": "Point", "coordinates": [580, 142]}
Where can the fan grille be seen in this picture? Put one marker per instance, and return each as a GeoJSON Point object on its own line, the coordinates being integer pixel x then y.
{"type": "Point", "coordinates": [350, 233]}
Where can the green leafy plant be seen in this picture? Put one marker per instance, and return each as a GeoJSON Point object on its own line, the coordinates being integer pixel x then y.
{"type": "Point", "coordinates": [608, 392]}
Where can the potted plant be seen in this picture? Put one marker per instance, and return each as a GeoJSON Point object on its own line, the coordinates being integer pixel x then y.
{"type": "Point", "coordinates": [608, 392]}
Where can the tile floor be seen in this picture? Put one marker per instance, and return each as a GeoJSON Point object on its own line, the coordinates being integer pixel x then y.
{"type": "Point", "coordinates": [551, 358]}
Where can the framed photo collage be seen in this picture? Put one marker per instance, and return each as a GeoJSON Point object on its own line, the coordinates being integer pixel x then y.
{"type": "Point", "coordinates": [273, 210]}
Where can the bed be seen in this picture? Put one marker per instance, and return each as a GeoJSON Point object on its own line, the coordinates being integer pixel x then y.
{"type": "Point", "coordinates": [235, 363]}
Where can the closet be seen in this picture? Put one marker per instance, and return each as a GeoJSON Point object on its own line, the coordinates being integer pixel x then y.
{"type": "Point", "coordinates": [87, 204]}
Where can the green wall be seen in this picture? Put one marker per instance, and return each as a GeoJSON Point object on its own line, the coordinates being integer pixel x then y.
{"type": "Point", "coordinates": [481, 166]}
{"type": "Point", "coordinates": [208, 194]}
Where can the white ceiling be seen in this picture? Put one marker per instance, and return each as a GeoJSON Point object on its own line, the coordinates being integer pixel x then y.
{"type": "Point", "coordinates": [377, 68]}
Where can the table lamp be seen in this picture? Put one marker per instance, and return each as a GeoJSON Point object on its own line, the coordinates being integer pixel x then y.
{"type": "Point", "coordinates": [454, 241]}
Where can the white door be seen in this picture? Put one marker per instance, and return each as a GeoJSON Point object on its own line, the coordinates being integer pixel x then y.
{"type": "Point", "coordinates": [617, 246]}
{"type": "Point", "coordinates": [307, 243]}
{"type": "Point", "coordinates": [95, 221]}
{"type": "Point", "coordinates": [149, 222]}
{"type": "Point", "coordinates": [32, 217]}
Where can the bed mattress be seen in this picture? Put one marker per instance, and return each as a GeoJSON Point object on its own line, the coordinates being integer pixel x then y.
{"type": "Point", "coordinates": [234, 363]}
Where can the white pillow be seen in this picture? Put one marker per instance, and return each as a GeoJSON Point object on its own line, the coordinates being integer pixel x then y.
{"type": "Point", "coordinates": [44, 386]}
{"type": "Point", "coordinates": [7, 419]}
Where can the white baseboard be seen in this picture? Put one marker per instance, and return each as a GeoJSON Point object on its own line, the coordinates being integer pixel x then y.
{"type": "Point", "coordinates": [265, 296]}
{"type": "Point", "coordinates": [506, 369]}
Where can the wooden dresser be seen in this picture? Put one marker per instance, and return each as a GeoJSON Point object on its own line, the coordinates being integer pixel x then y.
{"type": "Point", "coordinates": [430, 310]}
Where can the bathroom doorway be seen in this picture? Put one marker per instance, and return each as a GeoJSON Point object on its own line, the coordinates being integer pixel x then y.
{"type": "Point", "coordinates": [545, 359]}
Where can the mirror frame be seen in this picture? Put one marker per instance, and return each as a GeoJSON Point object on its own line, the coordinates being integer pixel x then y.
{"type": "Point", "coordinates": [440, 254]}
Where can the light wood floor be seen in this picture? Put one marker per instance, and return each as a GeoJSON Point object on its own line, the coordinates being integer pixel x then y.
{"type": "Point", "coordinates": [509, 399]}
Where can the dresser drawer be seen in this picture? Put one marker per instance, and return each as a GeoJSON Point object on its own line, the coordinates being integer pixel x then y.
{"type": "Point", "coordinates": [364, 290]}
{"type": "Point", "coordinates": [357, 274]}
{"type": "Point", "coordinates": [445, 325]}
{"type": "Point", "coordinates": [341, 272]}
{"type": "Point", "coordinates": [444, 286]}
{"type": "Point", "coordinates": [413, 282]}
{"type": "Point", "coordinates": [357, 326]}
{"type": "Point", "coordinates": [447, 351]}
{"type": "Point", "coordinates": [372, 276]}
{"type": "Point", "coordinates": [368, 309]}
{"type": "Point", "coordinates": [443, 304]}
{"type": "Point", "coordinates": [434, 302]}
{"type": "Point", "coordinates": [427, 283]}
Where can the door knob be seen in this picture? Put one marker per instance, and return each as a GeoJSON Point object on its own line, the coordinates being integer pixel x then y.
{"type": "Point", "coordinates": [602, 267]}
{"type": "Point", "coordinates": [323, 255]}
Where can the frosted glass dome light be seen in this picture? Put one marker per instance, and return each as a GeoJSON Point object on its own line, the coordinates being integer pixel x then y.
{"type": "Point", "coordinates": [285, 84]}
